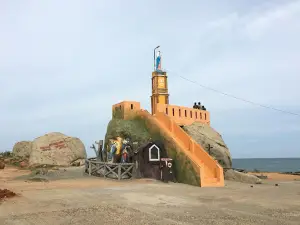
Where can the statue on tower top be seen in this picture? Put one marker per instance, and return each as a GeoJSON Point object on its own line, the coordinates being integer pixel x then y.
{"type": "Point", "coordinates": [158, 61]}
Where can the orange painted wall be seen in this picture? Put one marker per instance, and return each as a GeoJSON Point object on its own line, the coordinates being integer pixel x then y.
{"type": "Point", "coordinates": [128, 109]}
{"type": "Point", "coordinates": [184, 115]}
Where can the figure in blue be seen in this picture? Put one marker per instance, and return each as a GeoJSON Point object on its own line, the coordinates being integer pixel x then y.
{"type": "Point", "coordinates": [113, 149]}
{"type": "Point", "coordinates": [158, 62]}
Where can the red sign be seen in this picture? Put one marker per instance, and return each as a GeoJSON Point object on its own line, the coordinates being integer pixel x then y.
{"type": "Point", "coordinates": [59, 145]}
{"type": "Point", "coordinates": [165, 159]}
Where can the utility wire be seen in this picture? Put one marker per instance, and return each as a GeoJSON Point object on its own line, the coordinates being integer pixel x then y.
{"type": "Point", "coordinates": [238, 98]}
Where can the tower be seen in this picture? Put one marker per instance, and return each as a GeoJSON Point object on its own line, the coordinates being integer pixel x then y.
{"type": "Point", "coordinates": [160, 94]}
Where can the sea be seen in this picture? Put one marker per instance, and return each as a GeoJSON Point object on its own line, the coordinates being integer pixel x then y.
{"type": "Point", "coordinates": [268, 164]}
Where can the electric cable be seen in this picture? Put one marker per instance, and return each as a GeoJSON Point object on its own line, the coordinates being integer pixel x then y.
{"type": "Point", "coordinates": [235, 97]}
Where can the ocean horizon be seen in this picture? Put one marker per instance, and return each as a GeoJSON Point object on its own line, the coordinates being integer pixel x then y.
{"type": "Point", "coordinates": [267, 164]}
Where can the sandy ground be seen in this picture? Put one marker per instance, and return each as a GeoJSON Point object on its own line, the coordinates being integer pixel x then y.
{"type": "Point", "coordinates": [88, 200]}
{"type": "Point", "coordinates": [279, 177]}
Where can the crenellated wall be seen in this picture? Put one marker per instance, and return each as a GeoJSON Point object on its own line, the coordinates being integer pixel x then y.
{"type": "Point", "coordinates": [181, 115]}
{"type": "Point", "coordinates": [184, 115]}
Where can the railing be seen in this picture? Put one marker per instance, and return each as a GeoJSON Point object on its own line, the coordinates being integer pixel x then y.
{"type": "Point", "coordinates": [117, 171]}
{"type": "Point", "coordinates": [211, 167]}
{"type": "Point", "coordinates": [184, 115]}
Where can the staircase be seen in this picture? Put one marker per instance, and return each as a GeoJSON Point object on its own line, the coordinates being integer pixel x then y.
{"type": "Point", "coordinates": [210, 172]}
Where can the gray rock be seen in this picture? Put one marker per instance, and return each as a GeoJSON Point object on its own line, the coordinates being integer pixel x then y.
{"type": "Point", "coordinates": [241, 177]}
{"type": "Point", "coordinates": [205, 136]}
{"type": "Point", "coordinates": [22, 149]}
{"type": "Point", "coordinates": [56, 149]}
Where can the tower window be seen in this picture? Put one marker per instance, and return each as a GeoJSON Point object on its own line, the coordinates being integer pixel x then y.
{"type": "Point", "coordinates": [120, 107]}
{"type": "Point", "coordinates": [185, 114]}
{"type": "Point", "coordinates": [191, 114]}
{"type": "Point", "coordinates": [205, 116]}
{"type": "Point", "coordinates": [167, 110]}
{"type": "Point", "coordinates": [196, 115]}
{"type": "Point", "coordinates": [200, 116]}
{"type": "Point", "coordinates": [173, 112]}
{"type": "Point", "coordinates": [179, 113]}
{"type": "Point", "coordinates": [131, 106]}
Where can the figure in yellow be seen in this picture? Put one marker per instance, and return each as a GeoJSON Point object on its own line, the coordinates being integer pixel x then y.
{"type": "Point", "coordinates": [115, 149]}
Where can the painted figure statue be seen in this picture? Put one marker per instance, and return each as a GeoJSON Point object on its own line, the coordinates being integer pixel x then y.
{"type": "Point", "coordinates": [158, 62]}
{"type": "Point", "coordinates": [118, 150]}
{"type": "Point", "coordinates": [114, 149]}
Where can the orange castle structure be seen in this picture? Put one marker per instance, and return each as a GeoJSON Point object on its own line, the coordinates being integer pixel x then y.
{"type": "Point", "coordinates": [169, 118]}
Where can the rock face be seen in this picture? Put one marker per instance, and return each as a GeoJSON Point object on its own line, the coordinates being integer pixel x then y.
{"type": "Point", "coordinates": [56, 149]}
{"type": "Point", "coordinates": [241, 177]}
{"type": "Point", "coordinates": [137, 131]}
{"type": "Point", "coordinates": [22, 149]}
{"type": "Point", "coordinates": [205, 136]}
{"type": "Point", "coordinates": [2, 165]}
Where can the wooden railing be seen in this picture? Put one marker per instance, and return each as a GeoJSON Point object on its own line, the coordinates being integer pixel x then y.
{"type": "Point", "coordinates": [117, 171]}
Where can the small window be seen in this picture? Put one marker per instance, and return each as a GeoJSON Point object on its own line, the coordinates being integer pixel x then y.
{"type": "Point", "coordinates": [154, 153]}
{"type": "Point", "coordinates": [179, 113]}
{"type": "Point", "coordinates": [120, 107]}
{"type": "Point", "coordinates": [196, 115]}
{"type": "Point", "coordinates": [131, 106]}
{"type": "Point", "coordinates": [167, 110]}
{"type": "Point", "coordinates": [191, 114]}
{"type": "Point", "coordinates": [205, 116]}
{"type": "Point", "coordinates": [200, 116]}
{"type": "Point", "coordinates": [173, 112]}
{"type": "Point", "coordinates": [185, 113]}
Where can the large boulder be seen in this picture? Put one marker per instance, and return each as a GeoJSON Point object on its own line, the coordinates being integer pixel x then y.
{"type": "Point", "coordinates": [22, 149]}
{"type": "Point", "coordinates": [206, 136]}
{"type": "Point", "coordinates": [56, 149]}
{"type": "Point", "coordinates": [137, 130]}
{"type": "Point", "coordinates": [134, 129]}
{"type": "Point", "coordinates": [2, 165]}
{"type": "Point", "coordinates": [241, 177]}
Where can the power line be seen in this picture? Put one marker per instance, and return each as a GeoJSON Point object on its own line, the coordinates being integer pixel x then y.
{"type": "Point", "coordinates": [238, 98]}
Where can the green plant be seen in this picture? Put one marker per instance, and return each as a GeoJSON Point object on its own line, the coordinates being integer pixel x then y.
{"type": "Point", "coordinates": [6, 154]}
{"type": "Point", "coordinates": [118, 113]}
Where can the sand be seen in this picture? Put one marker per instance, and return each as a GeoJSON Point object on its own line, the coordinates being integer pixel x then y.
{"type": "Point", "coordinates": [279, 176]}
{"type": "Point", "coordinates": [88, 200]}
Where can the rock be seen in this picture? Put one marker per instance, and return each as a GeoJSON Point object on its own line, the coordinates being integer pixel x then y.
{"type": "Point", "coordinates": [41, 171]}
{"type": "Point", "coordinates": [2, 165]}
{"type": "Point", "coordinates": [7, 160]}
{"type": "Point", "coordinates": [56, 149]}
{"type": "Point", "coordinates": [79, 162]}
{"type": "Point", "coordinates": [76, 164]}
{"type": "Point", "coordinates": [23, 164]}
{"type": "Point", "coordinates": [134, 129]}
{"type": "Point", "coordinates": [241, 177]}
{"type": "Point", "coordinates": [205, 136]}
{"type": "Point", "coordinates": [38, 179]}
{"type": "Point", "coordinates": [22, 149]}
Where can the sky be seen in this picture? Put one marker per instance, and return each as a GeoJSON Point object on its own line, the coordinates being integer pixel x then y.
{"type": "Point", "coordinates": [63, 64]}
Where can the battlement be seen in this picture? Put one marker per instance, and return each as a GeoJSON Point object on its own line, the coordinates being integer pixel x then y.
{"type": "Point", "coordinates": [184, 115]}
{"type": "Point", "coordinates": [181, 115]}
{"type": "Point", "coordinates": [125, 110]}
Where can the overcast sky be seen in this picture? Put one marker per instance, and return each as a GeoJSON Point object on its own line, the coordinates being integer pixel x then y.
{"type": "Point", "coordinates": [64, 63]}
